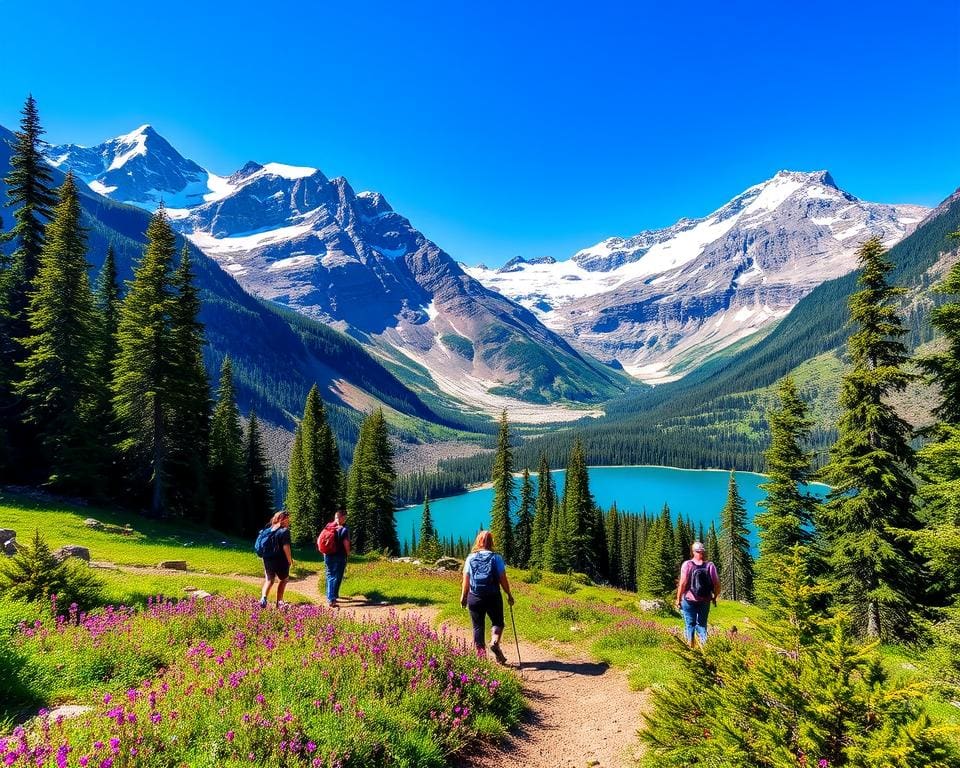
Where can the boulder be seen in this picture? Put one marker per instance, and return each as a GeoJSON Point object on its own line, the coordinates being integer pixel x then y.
{"type": "Point", "coordinates": [10, 547]}
{"type": "Point", "coordinates": [6, 535]}
{"type": "Point", "coordinates": [72, 550]}
{"type": "Point", "coordinates": [653, 606]}
{"type": "Point", "coordinates": [174, 565]}
{"type": "Point", "coordinates": [91, 523]}
{"type": "Point", "coordinates": [448, 564]}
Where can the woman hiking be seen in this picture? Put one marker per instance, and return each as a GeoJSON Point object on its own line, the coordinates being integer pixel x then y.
{"type": "Point", "coordinates": [277, 558]}
{"type": "Point", "coordinates": [699, 586]}
{"type": "Point", "coordinates": [484, 573]}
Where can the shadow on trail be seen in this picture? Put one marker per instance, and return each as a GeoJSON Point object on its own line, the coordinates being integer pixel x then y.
{"type": "Point", "coordinates": [375, 599]}
{"type": "Point", "coordinates": [584, 668]}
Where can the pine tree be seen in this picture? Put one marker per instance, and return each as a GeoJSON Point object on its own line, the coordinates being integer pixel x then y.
{"type": "Point", "coordinates": [429, 548]}
{"type": "Point", "coordinates": [106, 348]}
{"type": "Point", "coordinates": [501, 523]}
{"type": "Point", "coordinates": [142, 396]}
{"type": "Point", "coordinates": [939, 492]}
{"type": "Point", "coordinates": [788, 511]}
{"type": "Point", "coordinates": [523, 533]}
{"type": "Point", "coordinates": [659, 569]}
{"type": "Point", "coordinates": [190, 398]}
{"type": "Point", "coordinates": [226, 463]}
{"type": "Point", "coordinates": [296, 478]}
{"type": "Point", "coordinates": [258, 496]}
{"type": "Point", "coordinates": [614, 534]}
{"type": "Point", "coordinates": [370, 486]}
{"type": "Point", "coordinates": [29, 193]}
{"type": "Point", "coordinates": [58, 370]}
{"type": "Point", "coordinates": [874, 570]}
{"type": "Point", "coordinates": [546, 494]}
{"type": "Point", "coordinates": [736, 562]}
{"type": "Point", "coordinates": [580, 517]}
{"type": "Point", "coordinates": [35, 574]}
{"type": "Point", "coordinates": [713, 548]}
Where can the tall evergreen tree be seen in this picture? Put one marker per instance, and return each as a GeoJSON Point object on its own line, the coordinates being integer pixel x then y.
{"type": "Point", "coordinates": [713, 548]}
{"type": "Point", "coordinates": [546, 495]}
{"type": "Point", "coordinates": [58, 371]}
{"type": "Point", "coordinates": [736, 562]}
{"type": "Point", "coordinates": [258, 496]}
{"type": "Point", "coordinates": [226, 465]}
{"type": "Point", "coordinates": [523, 533]}
{"type": "Point", "coordinates": [106, 349]}
{"type": "Point", "coordinates": [788, 510]}
{"type": "Point", "coordinates": [189, 397]}
{"type": "Point", "coordinates": [580, 517]}
{"type": "Point", "coordinates": [30, 195]}
{"type": "Point", "coordinates": [875, 571]}
{"type": "Point", "coordinates": [370, 486]}
{"type": "Point", "coordinates": [296, 478]}
{"type": "Point", "coordinates": [501, 522]}
{"type": "Point", "coordinates": [659, 569]}
{"type": "Point", "coordinates": [429, 547]}
{"type": "Point", "coordinates": [614, 534]}
{"type": "Point", "coordinates": [142, 396]}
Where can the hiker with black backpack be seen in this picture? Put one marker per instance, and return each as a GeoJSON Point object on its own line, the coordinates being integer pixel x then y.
{"type": "Point", "coordinates": [699, 586]}
{"type": "Point", "coordinates": [484, 573]}
{"type": "Point", "coordinates": [273, 545]}
{"type": "Point", "coordinates": [334, 544]}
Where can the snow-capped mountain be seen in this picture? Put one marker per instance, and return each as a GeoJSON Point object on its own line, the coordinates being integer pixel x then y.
{"type": "Point", "coordinates": [663, 301]}
{"type": "Point", "coordinates": [291, 235]}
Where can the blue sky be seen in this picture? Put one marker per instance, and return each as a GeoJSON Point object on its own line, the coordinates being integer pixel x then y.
{"type": "Point", "coordinates": [514, 128]}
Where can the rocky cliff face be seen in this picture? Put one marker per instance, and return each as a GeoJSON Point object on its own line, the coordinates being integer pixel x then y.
{"type": "Point", "coordinates": [661, 302]}
{"type": "Point", "coordinates": [291, 235]}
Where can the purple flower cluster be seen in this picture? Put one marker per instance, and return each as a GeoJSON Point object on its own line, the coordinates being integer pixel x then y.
{"type": "Point", "coordinates": [297, 687]}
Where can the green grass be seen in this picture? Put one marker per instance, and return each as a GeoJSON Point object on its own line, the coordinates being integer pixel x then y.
{"type": "Point", "coordinates": [150, 543]}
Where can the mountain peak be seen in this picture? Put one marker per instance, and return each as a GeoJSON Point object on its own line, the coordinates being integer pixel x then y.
{"type": "Point", "coordinates": [807, 177]}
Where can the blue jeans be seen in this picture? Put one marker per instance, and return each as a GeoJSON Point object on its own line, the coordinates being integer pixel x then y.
{"type": "Point", "coordinates": [694, 619]}
{"type": "Point", "coordinates": [336, 565]}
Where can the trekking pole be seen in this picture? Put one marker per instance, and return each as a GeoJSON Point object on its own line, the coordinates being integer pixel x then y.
{"type": "Point", "coordinates": [516, 639]}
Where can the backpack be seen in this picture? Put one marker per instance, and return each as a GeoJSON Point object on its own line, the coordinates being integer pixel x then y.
{"type": "Point", "coordinates": [701, 585]}
{"type": "Point", "coordinates": [483, 569]}
{"type": "Point", "coordinates": [266, 544]}
{"type": "Point", "coordinates": [327, 541]}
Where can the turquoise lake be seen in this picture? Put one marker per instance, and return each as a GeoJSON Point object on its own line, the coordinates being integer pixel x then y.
{"type": "Point", "coordinates": [695, 493]}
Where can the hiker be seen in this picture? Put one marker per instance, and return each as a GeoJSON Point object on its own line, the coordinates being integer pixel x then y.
{"type": "Point", "coordinates": [699, 586]}
{"type": "Point", "coordinates": [277, 558]}
{"type": "Point", "coordinates": [334, 543]}
{"type": "Point", "coordinates": [484, 573]}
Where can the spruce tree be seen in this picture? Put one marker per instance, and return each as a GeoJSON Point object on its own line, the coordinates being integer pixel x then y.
{"type": "Point", "coordinates": [501, 523]}
{"type": "Point", "coordinates": [226, 463]}
{"type": "Point", "coordinates": [659, 566]}
{"type": "Point", "coordinates": [258, 496]}
{"type": "Point", "coordinates": [580, 516]}
{"type": "Point", "coordinates": [546, 494]}
{"type": "Point", "coordinates": [190, 397]}
{"type": "Point", "coordinates": [429, 548]}
{"type": "Point", "coordinates": [788, 510]}
{"type": "Point", "coordinates": [106, 348]}
{"type": "Point", "coordinates": [296, 478]}
{"type": "Point", "coordinates": [523, 533]}
{"type": "Point", "coordinates": [612, 529]}
{"type": "Point", "coordinates": [30, 195]}
{"type": "Point", "coordinates": [870, 508]}
{"type": "Point", "coordinates": [713, 548]}
{"type": "Point", "coordinates": [736, 562]}
{"type": "Point", "coordinates": [142, 396]}
{"type": "Point", "coordinates": [58, 372]}
{"type": "Point", "coordinates": [370, 486]}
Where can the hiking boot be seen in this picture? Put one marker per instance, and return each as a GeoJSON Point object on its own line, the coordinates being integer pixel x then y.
{"type": "Point", "coordinates": [497, 653]}
{"type": "Point", "coordinates": [334, 604]}
{"type": "Point", "coordinates": [263, 602]}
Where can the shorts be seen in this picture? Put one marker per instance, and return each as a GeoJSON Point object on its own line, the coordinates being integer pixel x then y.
{"type": "Point", "coordinates": [274, 568]}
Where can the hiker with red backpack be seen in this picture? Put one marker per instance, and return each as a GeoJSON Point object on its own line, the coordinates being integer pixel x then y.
{"type": "Point", "coordinates": [334, 544]}
{"type": "Point", "coordinates": [699, 586]}
{"type": "Point", "coordinates": [484, 573]}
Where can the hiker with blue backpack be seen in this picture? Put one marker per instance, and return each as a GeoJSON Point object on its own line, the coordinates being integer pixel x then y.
{"type": "Point", "coordinates": [273, 545]}
{"type": "Point", "coordinates": [484, 573]}
{"type": "Point", "coordinates": [699, 586]}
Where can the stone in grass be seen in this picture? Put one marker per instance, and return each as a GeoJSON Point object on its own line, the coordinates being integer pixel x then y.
{"type": "Point", "coordinates": [10, 547]}
{"type": "Point", "coordinates": [6, 535]}
{"type": "Point", "coordinates": [174, 565]}
{"type": "Point", "coordinates": [653, 606]}
{"type": "Point", "coordinates": [448, 564]}
{"type": "Point", "coordinates": [72, 550]}
{"type": "Point", "coordinates": [91, 523]}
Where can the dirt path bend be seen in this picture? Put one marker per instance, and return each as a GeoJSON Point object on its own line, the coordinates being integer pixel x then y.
{"type": "Point", "coordinates": [581, 713]}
